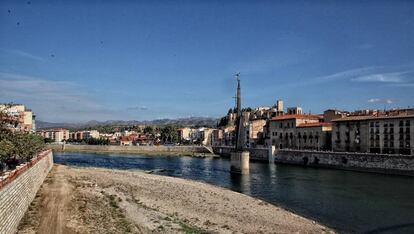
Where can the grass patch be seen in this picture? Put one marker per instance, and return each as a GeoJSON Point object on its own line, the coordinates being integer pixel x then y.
{"type": "Point", "coordinates": [188, 229]}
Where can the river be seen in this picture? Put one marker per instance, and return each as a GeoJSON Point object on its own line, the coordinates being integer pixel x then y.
{"type": "Point", "coordinates": [350, 202]}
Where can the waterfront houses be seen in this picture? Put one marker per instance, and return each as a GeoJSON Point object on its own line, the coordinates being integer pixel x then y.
{"type": "Point", "coordinates": [388, 133]}
{"type": "Point", "coordinates": [283, 131]}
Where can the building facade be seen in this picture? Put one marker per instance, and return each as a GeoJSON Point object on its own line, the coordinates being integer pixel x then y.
{"type": "Point", "coordinates": [24, 118]}
{"type": "Point", "coordinates": [283, 131]}
{"type": "Point", "coordinates": [55, 134]}
{"type": "Point", "coordinates": [374, 134]}
{"type": "Point", "coordinates": [314, 136]}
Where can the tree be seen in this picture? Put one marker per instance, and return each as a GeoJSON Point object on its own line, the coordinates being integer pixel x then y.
{"type": "Point", "coordinates": [16, 147]}
{"type": "Point", "coordinates": [169, 134]}
{"type": "Point", "coordinates": [149, 130]}
{"type": "Point", "coordinates": [223, 122]}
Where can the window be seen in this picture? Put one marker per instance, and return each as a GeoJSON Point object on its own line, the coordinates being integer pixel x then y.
{"type": "Point", "coordinates": [407, 123]}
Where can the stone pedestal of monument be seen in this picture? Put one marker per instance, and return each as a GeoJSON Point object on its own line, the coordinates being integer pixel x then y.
{"type": "Point", "coordinates": [240, 162]}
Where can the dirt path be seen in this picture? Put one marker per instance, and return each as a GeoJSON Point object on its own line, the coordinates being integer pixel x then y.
{"type": "Point", "coordinates": [95, 200]}
{"type": "Point", "coordinates": [54, 207]}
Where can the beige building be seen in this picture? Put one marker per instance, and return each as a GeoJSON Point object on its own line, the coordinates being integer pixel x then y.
{"type": "Point", "coordinates": [314, 136]}
{"type": "Point", "coordinates": [254, 131]}
{"type": "Point", "coordinates": [282, 130]}
{"type": "Point", "coordinates": [294, 110]}
{"type": "Point", "coordinates": [390, 134]}
{"type": "Point", "coordinates": [217, 137]}
{"type": "Point", "coordinates": [25, 119]}
{"type": "Point", "coordinates": [55, 134]}
{"type": "Point", "coordinates": [203, 136]}
{"type": "Point", "coordinates": [184, 134]}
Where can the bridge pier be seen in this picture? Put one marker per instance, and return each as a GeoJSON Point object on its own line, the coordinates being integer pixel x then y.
{"type": "Point", "coordinates": [240, 162]}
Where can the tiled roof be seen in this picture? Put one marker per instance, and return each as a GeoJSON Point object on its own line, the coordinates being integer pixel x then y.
{"type": "Point", "coordinates": [314, 125]}
{"type": "Point", "coordinates": [284, 117]}
{"type": "Point", "coordinates": [370, 117]}
{"type": "Point", "coordinates": [125, 138]}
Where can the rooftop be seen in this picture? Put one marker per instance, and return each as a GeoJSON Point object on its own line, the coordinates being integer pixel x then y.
{"type": "Point", "coordinates": [285, 117]}
{"type": "Point", "coordinates": [370, 117]}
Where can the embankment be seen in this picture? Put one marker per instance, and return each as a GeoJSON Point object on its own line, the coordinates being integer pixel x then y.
{"type": "Point", "coordinates": [152, 150]}
{"type": "Point", "coordinates": [19, 187]}
{"type": "Point", "coordinates": [365, 162]}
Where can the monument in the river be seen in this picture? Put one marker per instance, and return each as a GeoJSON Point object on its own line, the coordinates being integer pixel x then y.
{"type": "Point", "coordinates": [240, 156]}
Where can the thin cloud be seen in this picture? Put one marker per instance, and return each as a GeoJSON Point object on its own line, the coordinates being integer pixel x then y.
{"type": "Point", "coordinates": [394, 77]}
{"type": "Point", "coordinates": [138, 108]}
{"type": "Point", "coordinates": [23, 54]}
{"type": "Point", "coordinates": [372, 74]}
{"type": "Point", "coordinates": [373, 100]}
{"type": "Point", "coordinates": [52, 100]}
{"type": "Point", "coordinates": [379, 100]}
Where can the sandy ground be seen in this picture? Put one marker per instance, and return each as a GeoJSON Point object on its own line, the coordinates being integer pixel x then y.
{"type": "Point", "coordinates": [95, 200]}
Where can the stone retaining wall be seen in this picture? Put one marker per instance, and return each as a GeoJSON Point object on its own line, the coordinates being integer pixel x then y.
{"type": "Point", "coordinates": [130, 149]}
{"type": "Point", "coordinates": [256, 154]}
{"type": "Point", "coordinates": [381, 163]}
{"type": "Point", "coordinates": [18, 189]}
{"type": "Point", "coordinates": [366, 162]}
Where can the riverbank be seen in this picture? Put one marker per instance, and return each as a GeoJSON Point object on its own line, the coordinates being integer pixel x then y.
{"type": "Point", "coordinates": [193, 151]}
{"type": "Point", "coordinates": [95, 200]}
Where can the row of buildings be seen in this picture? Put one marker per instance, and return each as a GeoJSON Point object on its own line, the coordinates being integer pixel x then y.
{"type": "Point", "coordinates": [127, 138]}
{"type": "Point", "coordinates": [368, 131]}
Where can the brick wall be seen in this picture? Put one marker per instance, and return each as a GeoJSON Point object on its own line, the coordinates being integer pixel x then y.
{"type": "Point", "coordinates": [18, 189]}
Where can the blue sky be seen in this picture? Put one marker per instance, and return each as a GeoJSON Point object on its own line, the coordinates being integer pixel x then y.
{"type": "Point", "coordinates": [73, 62]}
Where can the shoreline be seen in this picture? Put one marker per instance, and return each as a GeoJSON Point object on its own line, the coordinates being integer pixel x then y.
{"type": "Point", "coordinates": [146, 203]}
{"type": "Point", "coordinates": [143, 153]}
{"type": "Point", "coordinates": [191, 151]}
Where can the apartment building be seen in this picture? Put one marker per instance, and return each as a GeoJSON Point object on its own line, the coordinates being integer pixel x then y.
{"type": "Point", "coordinates": [283, 133]}
{"type": "Point", "coordinates": [389, 134]}
{"type": "Point", "coordinates": [55, 134]}
{"type": "Point", "coordinates": [184, 134]}
{"type": "Point", "coordinates": [314, 136]}
{"type": "Point", "coordinates": [23, 117]}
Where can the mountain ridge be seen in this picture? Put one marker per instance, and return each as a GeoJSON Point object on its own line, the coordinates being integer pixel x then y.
{"type": "Point", "coordinates": [185, 122]}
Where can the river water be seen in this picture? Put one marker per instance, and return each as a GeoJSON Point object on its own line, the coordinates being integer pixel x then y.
{"type": "Point", "coordinates": [344, 200]}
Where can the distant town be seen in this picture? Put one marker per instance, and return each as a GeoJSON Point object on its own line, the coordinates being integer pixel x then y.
{"type": "Point", "coordinates": [366, 131]}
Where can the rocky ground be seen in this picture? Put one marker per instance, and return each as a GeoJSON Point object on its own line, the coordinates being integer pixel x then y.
{"type": "Point", "coordinates": [95, 200]}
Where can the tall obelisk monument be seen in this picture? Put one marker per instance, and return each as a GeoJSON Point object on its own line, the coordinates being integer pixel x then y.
{"type": "Point", "coordinates": [240, 156]}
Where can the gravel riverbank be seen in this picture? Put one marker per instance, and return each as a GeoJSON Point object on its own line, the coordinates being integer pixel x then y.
{"type": "Point", "coordinates": [96, 200]}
